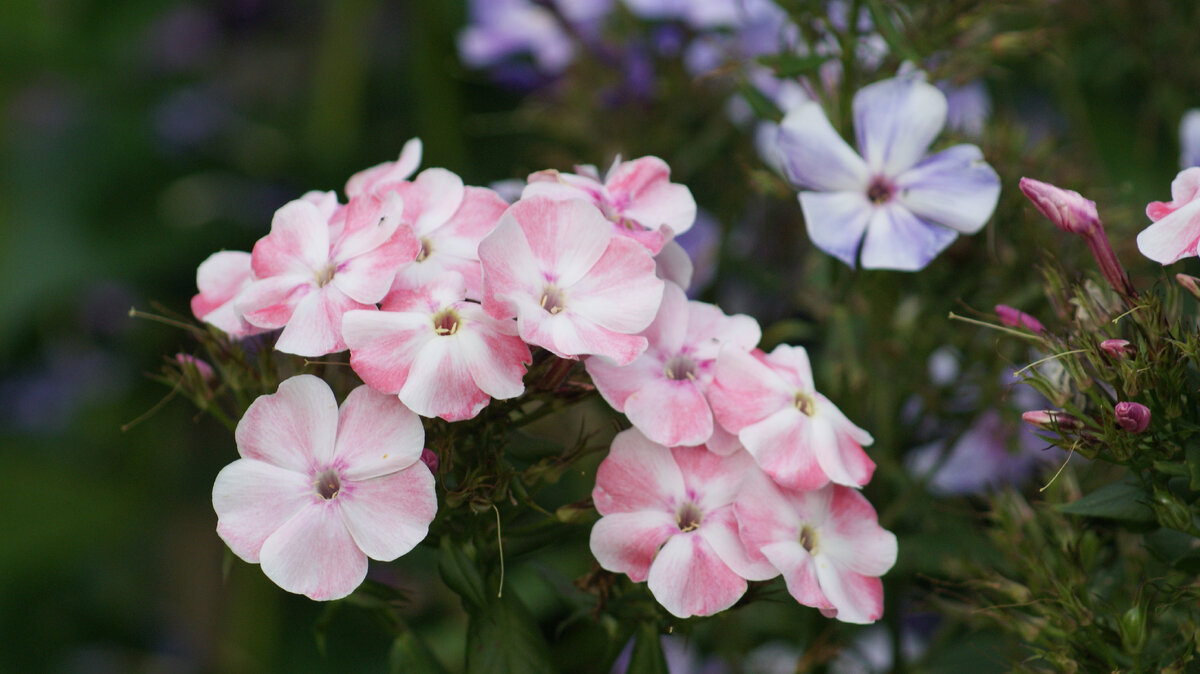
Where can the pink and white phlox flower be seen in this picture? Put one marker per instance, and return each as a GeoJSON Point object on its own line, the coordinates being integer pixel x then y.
{"type": "Point", "coordinates": [449, 220]}
{"type": "Point", "coordinates": [388, 172]}
{"type": "Point", "coordinates": [1175, 233]}
{"type": "Point", "coordinates": [827, 543]}
{"type": "Point", "coordinates": [574, 287]}
{"type": "Point", "coordinates": [313, 268]}
{"type": "Point", "coordinates": [318, 490]}
{"type": "Point", "coordinates": [800, 438]}
{"type": "Point", "coordinates": [637, 197]}
{"type": "Point", "coordinates": [220, 279]}
{"type": "Point", "coordinates": [444, 357]}
{"type": "Point", "coordinates": [668, 519]}
{"type": "Point", "coordinates": [663, 392]}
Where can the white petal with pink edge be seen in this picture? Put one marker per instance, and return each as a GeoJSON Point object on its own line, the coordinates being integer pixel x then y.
{"type": "Point", "coordinates": [315, 328]}
{"type": "Point", "coordinates": [376, 435]}
{"type": "Point", "coordinates": [253, 499]}
{"type": "Point", "coordinates": [627, 542]}
{"type": "Point", "coordinates": [313, 554]}
{"type": "Point", "coordinates": [293, 428]}
{"type": "Point", "coordinates": [637, 475]}
{"type": "Point", "coordinates": [670, 412]}
{"type": "Point", "coordinates": [297, 244]}
{"type": "Point", "coordinates": [688, 578]}
{"type": "Point", "coordinates": [388, 516]}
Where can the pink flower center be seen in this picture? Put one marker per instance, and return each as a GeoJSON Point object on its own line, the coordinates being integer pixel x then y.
{"type": "Point", "coordinates": [688, 518]}
{"type": "Point", "coordinates": [805, 403]}
{"type": "Point", "coordinates": [328, 484]}
{"type": "Point", "coordinates": [426, 250]}
{"type": "Point", "coordinates": [553, 299]}
{"type": "Point", "coordinates": [880, 190]}
{"type": "Point", "coordinates": [680, 367]}
{"type": "Point", "coordinates": [325, 275]}
{"type": "Point", "coordinates": [446, 322]}
{"type": "Point", "coordinates": [808, 539]}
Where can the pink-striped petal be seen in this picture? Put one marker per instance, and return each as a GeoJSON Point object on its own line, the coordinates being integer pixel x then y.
{"type": "Point", "coordinates": [843, 462]}
{"type": "Point", "coordinates": [366, 278]}
{"type": "Point", "coordinates": [219, 278]}
{"type": "Point", "coordinates": [367, 223]}
{"type": "Point", "coordinates": [955, 188]}
{"type": "Point", "coordinates": [799, 572]}
{"type": "Point", "coordinates": [495, 359]}
{"type": "Point", "coordinates": [745, 390]}
{"type": "Point", "coordinates": [293, 428]}
{"type": "Point", "coordinates": [837, 221]}
{"type": "Point", "coordinates": [895, 120]}
{"type": "Point", "coordinates": [670, 412]}
{"type": "Point", "coordinates": [626, 542]}
{"type": "Point", "coordinates": [376, 435]}
{"type": "Point", "coordinates": [298, 242]}
{"type": "Point", "coordinates": [440, 385]}
{"type": "Point", "coordinates": [688, 578]}
{"type": "Point", "coordinates": [764, 514]}
{"type": "Point", "coordinates": [389, 515]}
{"type": "Point", "coordinates": [852, 536]}
{"type": "Point", "coordinates": [720, 531]}
{"type": "Point", "coordinates": [815, 156]}
{"type": "Point", "coordinates": [781, 444]}
{"type": "Point", "coordinates": [897, 239]}
{"type": "Point", "coordinates": [509, 269]}
{"type": "Point", "coordinates": [650, 198]}
{"type": "Point", "coordinates": [315, 328]}
{"type": "Point", "coordinates": [384, 344]}
{"type": "Point", "coordinates": [567, 238]}
{"type": "Point", "coordinates": [431, 199]}
{"type": "Point", "coordinates": [637, 475]}
{"type": "Point", "coordinates": [313, 554]}
{"type": "Point", "coordinates": [253, 499]}
{"type": "Point", "coordinates": [620, 291]}
{"type": "Point", "coordinates": [570, 336]}
{"type": "Point", "coordinates": [1175, 236]}
{"type": "Point", "coordinates": [387, 172]}
{"type": "Point", "coordinates": [269, 303]}
{"type": "Point", "coordinates": [857, 598]}
{"type": "Point", "coordinates": [671, 325]}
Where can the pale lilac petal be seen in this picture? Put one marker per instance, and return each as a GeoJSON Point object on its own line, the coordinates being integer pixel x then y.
{"type": "Point", "coordinates": [897, 239]}
{"type": "Point", "coordinates": [298, 242]}
{"type": "Point", "coordinates": [440, 385]}
{"type": "Point", "coordinates": [269, 303]}
{"type": "Point", "coordinates": [688, 578]}
{"type": "Point", "coordinates": [646, 195]}
{"type": "Point", "coordinates": [720, 530]}
{"type": "Point", "coordinates": [620, 291]}
{"type": "Point", "coordinates": [895, 120]}
{"type": "Point", "coordinates": [745, 390]}
{"type": "Point", "coordinates": [253, 499]}
{"type": "Point", "coordinates": [384, 344]}
{"type": "Point", "coordinates": [294, 428]}
{"type": "Point", "coordinates": [313, 554]}
{"type": "Point", "coordinates": [955, 188]}
{"type": "Point", "coordinates": [389, 515]}
{"type": "Point", "coordinates": [626, 542]}
{"type": "Point", "coordinates": [315, 328]}
{"type": "Point", "coordinates": [1173, 237]}
{"type": "Point", "coordinates": [815, 156]}
{"type": "Point", "coordinates": [853, 536]}
{"type": "Point", "coordinates": [837, 221]}
{"type": "Point", "coordinates": [1189, 139]}
{"type": "Point", "coordinates": [670, 412]}
{"type": "Point", "coordinates": [857, 598]}
{"type": "Point", "coordinates": [376, 435]}
{"type": "Point", "coordinates": [799, 572]}
{"type": "Point", "coordinates": [781, 444]}
{"type": "Point", "coordinates": [637, 475]}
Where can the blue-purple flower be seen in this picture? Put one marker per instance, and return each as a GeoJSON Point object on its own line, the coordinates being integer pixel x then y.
{"type": "Point", "coordinates": [893, 207]}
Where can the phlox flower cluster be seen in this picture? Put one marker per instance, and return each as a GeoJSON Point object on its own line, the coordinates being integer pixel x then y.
{"type": "Point", "coordinates": [736, 469]}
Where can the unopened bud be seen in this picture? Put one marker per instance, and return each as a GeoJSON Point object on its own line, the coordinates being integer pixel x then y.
{"type": "Point", "coordinates": [430, 460]}
{"type": "Point", "coordinates": [204, 369]}
{"type": "Point", "coordinates": [1133, 629]}
{"type": "Point", "coordinates": [1117, 348]}
{"type": "Point", "coordinates": [1013, 318]}
{"type": "Point", "coordinates": [1051, 420]}
{"type": "Point", "coordinates": [1189, 283]}
{"type": "Point", "coordinates": [1133, 417]}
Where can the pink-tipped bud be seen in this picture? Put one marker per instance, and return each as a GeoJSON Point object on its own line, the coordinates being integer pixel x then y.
{"type": "Point", "coordinates": [1067, 209]}
{"type": "Point", "coordinates": [1051, 420]}
{"type": "Point", "coordinates": [430, 460]}
{"type": "Point", "coordinates": [1117, 348]}
{"type": "Point", "coordinates": [1070, 212]}
{"type": "Point", "coordinates": [1013, 318]}
{"type": "Point", "coordinates": [1189, 283]}
{"type": "Point", "coordinates": [1133, 417]}
{"type": "Point", "coordinates": [205, 370]}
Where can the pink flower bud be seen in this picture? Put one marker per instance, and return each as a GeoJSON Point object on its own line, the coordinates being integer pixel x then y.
{"type": "Point", "coordinates": [1051, 420]}
{"type": "Point", "coordinates": [1133, 417]}
{"type": "Point", "coordinates": [1189, 283]}
{"type": "Point", "coordinates": [430, 460]}
{"type": "Point", "coordinates": [205, 370]}
{"type": "Point", "coordinates": [1117, 348]}
{"type": "Point", "coordinates": [1070, 212]}
{"type": "Point", "coordinates": [1013, 318]}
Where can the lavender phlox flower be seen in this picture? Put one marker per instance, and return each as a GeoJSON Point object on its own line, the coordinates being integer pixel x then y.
{"type": "Point", "coordinates": [992, 452]}
{"type": "Point", "coordinates": [501, 29]}
{"type": "Point", "coordinates": [893, 207]}
{"type": "Point", "coordinates": [969, 106]}
{"type": "Point", "coordinates": [1189, 139]}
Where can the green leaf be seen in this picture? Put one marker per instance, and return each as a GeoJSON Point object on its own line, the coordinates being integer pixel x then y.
{"type": "Point", "coordinates": [410, 655]}
{"type": "Point", "coordinates": [762, 106]}
{"type": "Point", "coordinates": [1193, 462]}
{"type": "Point", "coordinates": [1122, 500]}
{"type": "Point", "coordinates": [886, 25]}
{"type": "Point", "coordinates": [502, 638]}
{"type": "Point", "coordinates": [460, 575]}
{"type": "Point", "coordinates": [647, 656]}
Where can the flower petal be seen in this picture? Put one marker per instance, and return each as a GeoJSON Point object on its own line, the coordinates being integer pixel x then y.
{"type": "Point", "coordinates": [799, 572]}
{"type": "Point", "coordinates": [384, 344]}
{"type": "Point", "coordinates": [670, 412]}
{"type": "Point", "coordinates": [620, 291]}
{"type": "Point", "coordinates": [253, 499]}
{"type": "Point", "coordinates": [815, 156]}
{"type": "Point", "coordinates": [955, 188]}
{"type": "Point", "coordinates": [626, 542]}
{"type": "Point", "coordinates": [376, 435]}
{"type": "Point", "coordinates": [852, 536]}
{"type": "Point", "coordinates": [566, 238]}
{"type": "Point", "coordinates": [895, 120]}
{"type": "Point", "coordinates": [688, 578]}
{"type": "Point", "coordinates": [313, 554]}
{"type": "Point", "coordinates": [298, 242]}
{"type": "Point", "coordinates": [782, 446]}
{"type": "Point", "coordinates": [857, 598]}
{"type": "Point", "coordinates": [745, 390]}
{"type": "Point", "coordinates": [836, 222]}
{"type": "Point", "coordinates": [389, 515]}
{"type": "Point", "coordinates": [637, 475]}
{"type": "Point", "coordinates": [440, 385]}
{"type": "Point", "coordinates": [651, 199]}
{"type": "Point", "coordinates": [897, 239]}
{"type": "Point", "coordinates": [720, 531]}
{"type": "Point", "coordinates": [315, 328]}
{"type": "Point", "coordinates": [1173, 237]}
{"type": "Point", "coordinates": [269, 303]}
{"type": "Point", "coordinates": [293, 428]}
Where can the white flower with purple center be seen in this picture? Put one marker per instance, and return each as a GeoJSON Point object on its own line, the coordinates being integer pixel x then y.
{"type": "Point", "coordinates": [892, 207]}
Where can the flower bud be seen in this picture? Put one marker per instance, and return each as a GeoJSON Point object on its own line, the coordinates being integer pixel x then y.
{"type": "Point", "coordinates": [1133, 417]}
{"type": "Point", "coordinates": [1189, 283]}
{"type": "Point", "coordinates": [430, 460]}
{"type": "Point", "coordinates": [204, 369]}
{"type": "Point", "coordinates": [1013, 318]}
{"type": "Point", "coordinates": [1117, 348]}
{"type": "Point", "coordinates": [1051, 420]}
{"type": "Point", "coordinates": [1133, 629]}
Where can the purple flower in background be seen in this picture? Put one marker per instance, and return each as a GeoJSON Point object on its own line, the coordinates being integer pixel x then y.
{"type": "Point", "coordinates": [893, 207]}
{"type": "Point", "coordinates": [968, 106]}
{"type": "Point", "coordinates": [502, 29]}
{"type": "Point", "coordinates": [981, 458]}
{"type": "Point", "coordinates": [1189, 139]}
